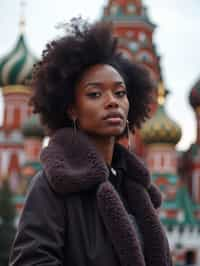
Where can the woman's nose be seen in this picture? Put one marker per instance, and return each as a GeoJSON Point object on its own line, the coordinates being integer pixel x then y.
{"type": "Point", "coordinates": [111, 100]}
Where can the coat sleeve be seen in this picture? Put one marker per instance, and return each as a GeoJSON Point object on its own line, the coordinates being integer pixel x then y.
{"type": "Point", "coordinates": [41, 229]}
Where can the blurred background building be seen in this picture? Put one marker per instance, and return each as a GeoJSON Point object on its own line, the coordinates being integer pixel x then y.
{"type": "Point", "coordinates": [176, 173]}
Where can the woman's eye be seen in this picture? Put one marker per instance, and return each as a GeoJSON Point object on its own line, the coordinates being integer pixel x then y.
{"type": "Point", "coordinates": [94, 94]}
{"type": "Point", "coordinates": [121, 93]}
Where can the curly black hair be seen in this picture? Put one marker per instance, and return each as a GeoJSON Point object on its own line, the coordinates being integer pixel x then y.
{"type": "Point", "coordinates": [64, 61]}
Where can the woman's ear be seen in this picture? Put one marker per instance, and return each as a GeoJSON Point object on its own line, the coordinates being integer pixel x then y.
{"type": "Point", "coordinates": [71, 111]}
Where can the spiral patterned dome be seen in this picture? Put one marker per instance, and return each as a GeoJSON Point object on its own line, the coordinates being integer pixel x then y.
{"type": "Point", "coordinates": [194, 96]}
{"type": "Point", "coordinates": [16, 66]}
{"type": "Point", "coordinates": [161, 129]}
{"type": "Point", "coordinates": [32, 127]}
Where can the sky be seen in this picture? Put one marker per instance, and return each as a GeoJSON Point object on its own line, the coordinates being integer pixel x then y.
{"type": "Point", "coordinates": [177, 38]}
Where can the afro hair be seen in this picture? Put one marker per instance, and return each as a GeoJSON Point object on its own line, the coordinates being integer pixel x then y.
{"type": "Point", "coordinates": [64, 61]}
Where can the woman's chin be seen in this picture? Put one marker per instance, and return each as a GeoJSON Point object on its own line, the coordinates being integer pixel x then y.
{"type": "Point", "coordinates": [106, 132]}
{"type": "Point", "coordinates": [114, 132]}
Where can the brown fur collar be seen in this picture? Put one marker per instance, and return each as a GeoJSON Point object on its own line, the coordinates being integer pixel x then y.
{"type": "Point", "coordinates": [72, 164]}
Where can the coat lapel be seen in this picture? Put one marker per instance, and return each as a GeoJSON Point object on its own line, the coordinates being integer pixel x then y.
{"type": "Point", "coordinates": [119, 226]}
{"type": "Point", "coordinates": [156, 249]}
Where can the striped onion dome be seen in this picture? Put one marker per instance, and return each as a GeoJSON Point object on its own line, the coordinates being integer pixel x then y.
{"type": "Point", "coordinates": [161, 129]}
{"type": "Point", "coordinates": [16, 66]}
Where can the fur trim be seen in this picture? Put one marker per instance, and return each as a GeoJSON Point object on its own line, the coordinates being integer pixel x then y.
{"type": "Point", "coordinates": [156, 249]}
{"type": "Point", "coordinates": [72, 164]}
{"type": "Point", "coordinates": [119, 226]}
{"type": "Point", "coordinates": [155, 195]}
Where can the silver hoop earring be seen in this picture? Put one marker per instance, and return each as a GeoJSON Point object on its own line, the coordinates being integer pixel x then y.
{"type": "Point", "coordinates": [75, 126]}
{"type": "Point", "coordinates": [128, 135]}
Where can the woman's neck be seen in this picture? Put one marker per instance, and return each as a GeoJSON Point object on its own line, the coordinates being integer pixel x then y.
{"type": "Point", "coordinates": [105, 146]}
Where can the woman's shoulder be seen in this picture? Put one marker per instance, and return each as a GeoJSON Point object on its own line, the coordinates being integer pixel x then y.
{"type": "Point", "coordinates": [40, 187]}
{"type": "Point", "coordinates": [39, 182]}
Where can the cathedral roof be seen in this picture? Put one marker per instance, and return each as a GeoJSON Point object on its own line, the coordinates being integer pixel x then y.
{"type": "Point", "coordinates": [127, 11]}
{"type": "Point", "coordinates": [16, 66]}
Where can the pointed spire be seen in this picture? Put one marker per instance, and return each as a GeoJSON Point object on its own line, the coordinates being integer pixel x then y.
{"type": "Point", "coordinates": [162, 93]}
{"type": "Point", "coordinates": [22, 21]}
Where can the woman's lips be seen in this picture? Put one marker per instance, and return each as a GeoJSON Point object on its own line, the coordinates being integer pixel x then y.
{"type": "Point", "coordinates": [112, 115]}
{"type": "Point", "coordinates": [114, 120]}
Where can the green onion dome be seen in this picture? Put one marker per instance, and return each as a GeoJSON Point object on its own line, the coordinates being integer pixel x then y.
{"type": "Point", "coordinates": [16, 67]}
{"type": "Point", "coordinates": [161, 129]}
{"type": "Point", "coordinates": [194, 96]}
{"type": "Point", "coordinates": [32, 127]}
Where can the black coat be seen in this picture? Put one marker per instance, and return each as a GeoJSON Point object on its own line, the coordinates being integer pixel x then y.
{"type": "Point", "coordinates": [73, 216]}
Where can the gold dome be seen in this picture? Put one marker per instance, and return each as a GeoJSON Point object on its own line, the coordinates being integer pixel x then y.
{"type": "Point", "coordinates": [161, 128]}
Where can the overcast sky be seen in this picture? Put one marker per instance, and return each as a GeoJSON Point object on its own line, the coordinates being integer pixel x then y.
{"type": "Point", "coordinates": [177, 38]}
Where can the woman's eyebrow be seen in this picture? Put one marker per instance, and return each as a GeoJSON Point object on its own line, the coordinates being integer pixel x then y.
{"type": "Point", "coordinates": [120, 83]}
{"type": "Point", "coordinates": [95, 83]}
{"type": "Point", "coordinates": [98, 83]}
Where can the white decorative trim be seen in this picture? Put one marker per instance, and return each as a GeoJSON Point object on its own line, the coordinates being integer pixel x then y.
{"type": "Point", "coordinates": [188, 238]}
{"type": "Point", "coordinates": [8, 66]}
{"type": "Point", "coordinates": [27, 67]}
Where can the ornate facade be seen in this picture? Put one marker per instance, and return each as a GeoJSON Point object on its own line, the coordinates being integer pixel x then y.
{"type": "Point", "coordinates": [132, 25]}
{"type": "Point", "coordinates": [17, 145]}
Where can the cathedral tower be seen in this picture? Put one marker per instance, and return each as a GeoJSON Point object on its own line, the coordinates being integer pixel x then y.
{"type": "Point", "coordinates": [132, 25]}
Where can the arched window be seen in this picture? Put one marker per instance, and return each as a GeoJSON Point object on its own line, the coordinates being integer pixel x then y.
{"type": "Point", "coordinates": [131, 8]}
{"type": "Point", "coordinates": [2, 137]}
{"type": "Point", "coordinates": [145, 57]}
{"type": "Point", "coordinates": [142, 37]}
{"type": "Point", "coordinates": [16, 137]}
{"type": "Point", "coordinates": [133, 46]}
{"type": "Point", "coordinates": [114, 9]}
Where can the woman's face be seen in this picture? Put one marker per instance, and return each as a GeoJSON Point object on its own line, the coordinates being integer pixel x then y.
{"type": "Point", "coordinates": [101, 103]}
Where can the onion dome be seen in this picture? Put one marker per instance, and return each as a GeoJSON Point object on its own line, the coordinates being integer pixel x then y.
{"type": "Point", "coordinates": [161, 128]}
{"type": "Point", "coordinates": [32, 127]}
{"type": "Point", "coordinates": [16, 67]}
{"type": "Point", "coordinates": [194, 96]}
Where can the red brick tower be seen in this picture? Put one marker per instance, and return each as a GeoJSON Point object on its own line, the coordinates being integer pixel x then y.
{"type": "Point", "coordinates": [135, 31]}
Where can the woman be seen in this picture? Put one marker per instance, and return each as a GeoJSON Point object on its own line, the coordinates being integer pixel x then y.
{"type": "Point", "coordinates": [93, 203]}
